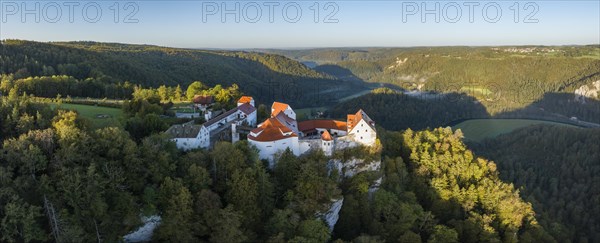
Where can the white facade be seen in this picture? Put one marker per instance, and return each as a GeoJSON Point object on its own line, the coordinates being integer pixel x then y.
{"type": "Point", "coordinates": [202, 140]}
{"type": "Point", "coordinates": [363, 133]}
{"type": "Point", "coordinates": [327, 146]}
{"type": "Point", "coordinates": [308, 144]}
{"type": "Point", "coordinates": [268, 149]}
{"type": "Point", "coordinates": [250, 119]}
{"type": "Point", "coordinates": [282, 131]}
{"type": "Point", "coordinates": [188, 136]}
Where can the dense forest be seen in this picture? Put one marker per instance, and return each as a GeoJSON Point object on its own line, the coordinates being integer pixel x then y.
{"type": "Point", "coordinates": [435, 190]}
{"type": "Point", "coordinates": [62, 181]}
{"type": "Point", "coordinates": [108, 70]}
{"type": "Point", "coordinates": [558, 170]}
{"type": "Point", "coordinates": [394, 110]}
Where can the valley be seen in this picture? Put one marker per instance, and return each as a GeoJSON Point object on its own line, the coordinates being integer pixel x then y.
{"type": "Point", "coordinates": [462, 144]}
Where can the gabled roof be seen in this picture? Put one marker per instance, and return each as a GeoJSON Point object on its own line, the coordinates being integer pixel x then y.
{"type": "Point", "coordinates": [220, 117]}
{"type": "Point", "coordinates": [326, 136]}
{"type": "Point", "coordinates": [354, 119]}
{"type": "Point", "coordinates": [184, 131]}
{"type": "Point", "coordinates": [271, 130]}
{"type": "Point", "coordinates": [278, 107]}
{"type": "Point", "coordinates": [245, 99]}
{"type": "Point", "coordinates": [284, 119]}
{"type": "Point", "coordinates": [246, 108]}
{"type": "Point", "coordinates": [324, 124]}
{"type": "Point", "coordinates": [203, 99]}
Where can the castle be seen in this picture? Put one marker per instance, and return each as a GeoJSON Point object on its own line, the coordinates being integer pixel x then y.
{"type": "Point", "coordinates": [189, 136]}
{"type": "Point", "coordinates": [281, 131]}
{"type": "Point", "coordinates": [277, 133]}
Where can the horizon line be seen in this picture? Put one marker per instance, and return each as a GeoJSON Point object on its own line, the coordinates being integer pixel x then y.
{"type": "Point", "coordinates": [305, 48]}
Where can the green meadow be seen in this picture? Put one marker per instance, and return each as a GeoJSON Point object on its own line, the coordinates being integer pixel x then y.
{"type": "Point", "coordinates": [99, 116]}
{"type": "Point", "coordinates": [479, 129]}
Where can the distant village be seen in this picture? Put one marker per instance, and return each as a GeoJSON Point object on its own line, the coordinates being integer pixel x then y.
{"type": "Point", "coordinates": [277, 133]}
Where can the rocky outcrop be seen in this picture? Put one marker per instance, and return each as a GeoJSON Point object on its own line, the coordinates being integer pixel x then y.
{"type": "Point", "coordinates": [333, 214]}
{"type": "Point", "coordinates": [353, 166]}
{"type": "Point", "coordinates": [587, 91]}
{"type": "Point", "coordinates": [144, 232]}
{"type": "Point", "coordinates": [347, 169]}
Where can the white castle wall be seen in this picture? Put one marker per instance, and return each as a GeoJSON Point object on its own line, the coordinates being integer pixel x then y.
{"type": "Point", "coordinates": [267, 150]}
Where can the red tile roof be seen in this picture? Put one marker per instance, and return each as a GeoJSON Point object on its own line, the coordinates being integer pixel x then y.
{"type": "Point", "coordinates": [278, 107]}
{"type": "Point", "coordinates": [354, 119]}
{"type": "Point", "coordinates": [245, 99]}
{"type": "Point", "coordinates": [325, 124]}
{"type": "Point", "coordinates": [203, 99]}
{"type": "Point", "coordinates": [271, 130]}
{"type": "Point", "coordinates": [326, 136]}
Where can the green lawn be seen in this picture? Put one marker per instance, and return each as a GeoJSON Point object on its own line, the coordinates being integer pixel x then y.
{"type": "Point", "coordinates": [98, 115]}
{"type": "Point", "coordinates": [479, 129]}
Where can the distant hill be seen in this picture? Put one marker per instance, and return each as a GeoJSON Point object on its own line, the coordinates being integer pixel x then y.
{"type": "Point", "coordinates": [503, 78]}
{"type": "Point", "coordinates": [268, 77]}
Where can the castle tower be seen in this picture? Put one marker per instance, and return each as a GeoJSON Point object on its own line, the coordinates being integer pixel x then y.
{"type": "Point", "coordinates": [327, 143]}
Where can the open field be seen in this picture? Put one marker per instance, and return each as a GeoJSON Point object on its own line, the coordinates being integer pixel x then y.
{"type": "Point", "coordinates": [479, 129]}
{"type": "Point", "coordinates": [99, 116]}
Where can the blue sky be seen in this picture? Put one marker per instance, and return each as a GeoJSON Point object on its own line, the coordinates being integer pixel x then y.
{"type": "Point", "coordinates": [198, 24]}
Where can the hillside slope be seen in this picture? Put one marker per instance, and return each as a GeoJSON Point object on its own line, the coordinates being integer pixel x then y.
{"type": "Point", "coordinates": [266, 76]}
{"type": "Point", "coordinates": [503, 79]}
{"type": "Point", "coordinates": [557, 169]}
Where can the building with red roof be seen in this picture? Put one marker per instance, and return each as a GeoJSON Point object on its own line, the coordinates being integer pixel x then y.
{"type": "Point", "coordinates": [281, 131]}
{"type": "Point", "coordinates": [246, 100]}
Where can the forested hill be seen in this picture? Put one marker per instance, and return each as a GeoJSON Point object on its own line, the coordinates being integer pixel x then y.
{"type": "Point", "coordinates": [557, 169]}
{"type": "Point", "coordinates": [266, 76]}
{"type": "Point", "coordinates": [503, 78]}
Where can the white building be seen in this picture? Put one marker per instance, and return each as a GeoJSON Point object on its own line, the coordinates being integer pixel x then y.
{"type": "Point", "coordinates": [281, 131]}
{"type": "Point", "coordinates": [361, 128]}
{"type": "Point", "coordinates": [246, 99]}
{"type": "Point", "coordinates": [278, 107]}
{"type": "Point", "coordinates": [188, 136]}
{"type": "Point", "coordinates": [272, 137]}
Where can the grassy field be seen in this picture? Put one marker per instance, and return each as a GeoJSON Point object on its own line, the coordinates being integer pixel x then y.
{"type": "Point", "coordinates": [479, 129]}
{"type": "Point", "coordinates": [99, 116]}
